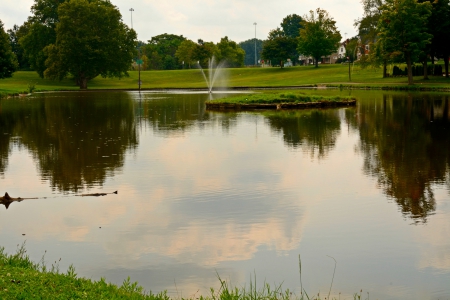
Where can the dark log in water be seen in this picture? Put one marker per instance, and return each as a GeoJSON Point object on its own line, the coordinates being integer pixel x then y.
{"type": "Point", "coordinates": [7, 200]}
{"type": "Point", "coordinates": [97, 194]}
{"type": "Point", "coordinates": [297, 105]}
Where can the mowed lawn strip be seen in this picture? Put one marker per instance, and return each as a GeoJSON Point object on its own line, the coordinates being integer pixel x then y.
{"type": "Point", "coordinates": [335, 75]}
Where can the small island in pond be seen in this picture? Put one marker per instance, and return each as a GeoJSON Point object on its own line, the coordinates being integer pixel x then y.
{"type": "Point", "coordinates": [278, 101]}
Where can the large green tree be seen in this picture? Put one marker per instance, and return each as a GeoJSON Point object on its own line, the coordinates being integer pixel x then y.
{"type": "Point", "coordinates": [403, 30]}
{"type": "Point", "coordinates": [318, 35]}
{"type": "Point", "coordinates": [161, 51]}
{"type": "Point", "coordinates": [231, 52]}
{"type": "Point", "coordinates": [91, 40]}
{"type": "Point", "coordinates": [40, 32]}
{"type": "Point", "coordinates": [278, 47]}
{"type": "Point", "coordinates": [184, 53]}
{"type": "Point", "coordinates": [203, 52]}
{"type": "Point", "coordinates": [291, 25]}
{"type": "Point", "coordinates": [8, 61]}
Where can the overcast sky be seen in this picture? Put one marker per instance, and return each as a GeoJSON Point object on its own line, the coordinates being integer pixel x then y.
{"type": "Point", "coordinates": [208, 19]}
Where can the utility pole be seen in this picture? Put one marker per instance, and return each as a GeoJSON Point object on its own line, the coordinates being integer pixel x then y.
{"type": "Point", "coordinates": [256, 59]}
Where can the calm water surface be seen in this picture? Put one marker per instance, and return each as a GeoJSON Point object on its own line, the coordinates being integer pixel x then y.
{"type": "Point", "coordinates": [236, 194]}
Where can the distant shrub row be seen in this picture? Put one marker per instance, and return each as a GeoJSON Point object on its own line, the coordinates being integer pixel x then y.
{"type": "Point", "coordinates": [435, 70]}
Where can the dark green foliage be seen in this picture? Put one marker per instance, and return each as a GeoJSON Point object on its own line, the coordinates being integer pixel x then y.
{"type": "Point", "coordinates": [278, 47]}
{"type": "Point", "coordinates": [319, 35]}
{"type": "Point", "coordinates": [230, 52]}
{"type": "Point", "coordinates": [40, 32]}
{"type": "Point", "coordinates": [161, 50]}
{"type": "Point", "coordinates": [403, 30]}
{"type": "Point", "coordinates": [91, 40]}
{"type": "Point", "coordinates": [8, 61]}
{"type": "Point", "coordinates": [15, 34]}
{"type": "Point", "coordinates": [249, 48]}
{"type": "Point", "coordinates": [291, 25]}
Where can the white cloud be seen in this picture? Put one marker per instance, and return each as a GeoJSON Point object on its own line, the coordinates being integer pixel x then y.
{"type": "Point", "coordinates": [208, 19]}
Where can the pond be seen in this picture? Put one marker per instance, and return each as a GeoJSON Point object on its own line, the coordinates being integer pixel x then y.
{"type": "Point", "coordinates": [240, 195]}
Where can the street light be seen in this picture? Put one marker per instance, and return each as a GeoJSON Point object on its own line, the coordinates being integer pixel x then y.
{"type": "Point", "coordinates": [131, 10]}
{"type": "Point", "coordinates": [139, 61]}
{"type": "Point", "coordinates": [255, 44]}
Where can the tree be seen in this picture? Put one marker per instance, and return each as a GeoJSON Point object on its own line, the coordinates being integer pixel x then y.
{"type": "Point", "coordinates": [230, 52]}
{"type": "Point", "coordinates": [278, 47]}
{"type": "Point", "coordinates": [15, 34]}
{"type": "Point", "coordinates": [91, 40]}
{"type": "Point", "coordinates": [439, 27]}
{"type": "Point", "coordinates": [165, 46]}
{"type": "Point", "coordinates": [40, 33]}
{"type": "Point", "coordinates": [291, 25]}
{"type": "Point", "coordinates": [8, 61]}
{"type": "Point", "coordinates": [185, 51]}
{"type": "Point", "coordinates": [402, 26]}
{"type": "Point", "coordinates": [249, 48]}
{"type": "Point", "coordinates": [203, 52]}
{"type": "Point", "coordinates": [319, 35]}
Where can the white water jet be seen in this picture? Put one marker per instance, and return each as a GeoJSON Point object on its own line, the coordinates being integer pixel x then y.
{"type": "Point", "coordinates": [216, 73]}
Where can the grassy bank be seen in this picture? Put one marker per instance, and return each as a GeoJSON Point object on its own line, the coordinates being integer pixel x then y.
{"type": "Point", "coordinates": [334, 75]}
{"type": "Point", "coordinates": [21, 278]}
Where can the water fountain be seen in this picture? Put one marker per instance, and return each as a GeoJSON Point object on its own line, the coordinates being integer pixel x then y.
{"type": "Point", "coordinates": [215, 73]}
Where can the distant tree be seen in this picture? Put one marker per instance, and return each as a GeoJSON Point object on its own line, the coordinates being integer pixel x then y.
{"type": "Point", "coordinates": [318, 35]}
{"type": "Point", "coordinates": [40, 32]}
{"type": "Point", "coordinates": [403, 30]}
{"type": "Point", "coordinates": [8, 61]}
{"type": "Point", "coordinates": [185, 51]}
{"type": "Point", "coordinates": [204, 51]}
{"type": "Point", "coordinates": [15, 34]}
{"type": "Point", "coordinates": [230, 52]}
{"type": "Point", "coordinates": [278, 47]}
{"type": "Point", "coordinates": [249, 48]}
{"type": "Point", "coordinates": [91, 40]}
{"type": "Point", "coordinates": [165, 45]}
{"type": "Point", "coordinates": [291, 25]}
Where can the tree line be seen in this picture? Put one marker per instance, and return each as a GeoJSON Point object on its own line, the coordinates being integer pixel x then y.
{"type": "Point", "coordinates": [405, 31]}
{"type": "Point", "coordinates": [83, 39]}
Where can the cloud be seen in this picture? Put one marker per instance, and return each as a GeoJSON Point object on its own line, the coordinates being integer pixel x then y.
{"type": "Point", "coordinates": [208, 19]}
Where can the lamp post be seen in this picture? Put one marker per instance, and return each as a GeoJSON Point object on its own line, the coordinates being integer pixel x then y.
{"type": "Point", "coordinates": [131, 10]}
{"type": "Point", "coordinates": [255, 45]}
{"type": "Point", "coordinates": [139, 61]}
{"type": "Point", "coordinates": [349, 74]}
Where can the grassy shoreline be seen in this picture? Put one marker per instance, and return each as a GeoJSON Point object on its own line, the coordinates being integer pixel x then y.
{"type": "Point", "coordinates": [21, 278]}
{"type": "Point", "coordinates": [237, 78]}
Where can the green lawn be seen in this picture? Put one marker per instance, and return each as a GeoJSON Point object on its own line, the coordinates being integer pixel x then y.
{"type": "Point", "coordinates": [237, 77]}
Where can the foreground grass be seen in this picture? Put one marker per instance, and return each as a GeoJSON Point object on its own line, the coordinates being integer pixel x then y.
{"type": "Point", "coordinates": [329, 75]}
{"type": "Point", "coordinates": [269, 97]}
{"type": "Point", "coordinates": [20, 278]}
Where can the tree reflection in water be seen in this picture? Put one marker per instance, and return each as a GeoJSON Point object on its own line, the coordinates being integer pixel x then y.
{"type": "Point", "coordinates": [76, 142]}
{"type": "Point", "coordinates": [406, 146]}
{"type": "Point", "coordinates": [314, 130]}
